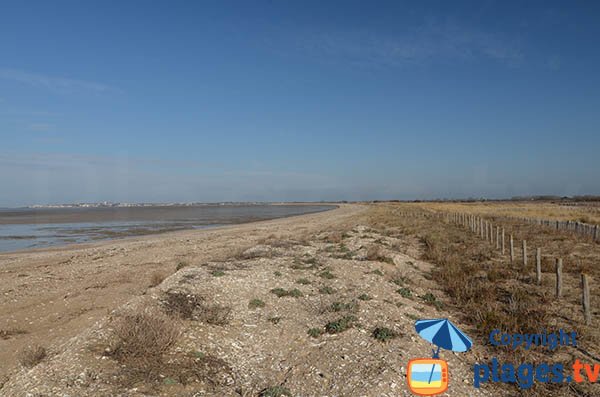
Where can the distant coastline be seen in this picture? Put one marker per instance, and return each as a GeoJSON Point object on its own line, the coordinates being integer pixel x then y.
{"type": "Point", "coordinates": [108, 204]}
{"type": "Point", "coordinates": [38, 227]}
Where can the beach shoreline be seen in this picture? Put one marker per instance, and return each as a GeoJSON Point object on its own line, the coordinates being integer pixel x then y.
{"type": "Point", "coordinates": [48, 295]}
{"type": "Point", "coordinates": [74, 226]}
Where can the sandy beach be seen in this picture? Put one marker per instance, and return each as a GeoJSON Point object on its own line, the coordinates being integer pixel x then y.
{"type": "Point", "coordinates": [49, 295]}
{"type": "Point", "coordinates": [67, 299]}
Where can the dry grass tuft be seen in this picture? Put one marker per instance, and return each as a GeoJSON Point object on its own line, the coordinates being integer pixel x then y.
{"type": "Point", "coordinates": [189, 306]}
{"type": "Point", "coordinates": [374, 254]}
{"type": "Point", "coordinates": [215, 314]}
{"type": "Point", "coordinates": [143, 337]}
{"type": "Point", "coordinates": [197, 367]}
{"type": "Point", "coordinates": [3, 380]}
{"type": "Point", "coordinates": [334, 237]}
{"type": "Point", "coordinates": [281, 242]}
{"type": "Point", "coordinates": [182, 303]}
{"type": "Point", "coordinates": [143, 345]}
{"type": "Point", "coordinates": [156, 278]}
{"type": "Point", "coordinates": [31, 356]}
{"type": "Point", "coordinates": [181, 265]}
{"type": "Point", "coordinates": [9, 333]}
{"type": "Point", "coordinates": [258, 251]}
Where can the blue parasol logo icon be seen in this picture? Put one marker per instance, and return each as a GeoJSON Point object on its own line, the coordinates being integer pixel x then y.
{"type": "Point", "coordinates": [430, 376]}
{"type": "Point", "coordinates": [443, 334]}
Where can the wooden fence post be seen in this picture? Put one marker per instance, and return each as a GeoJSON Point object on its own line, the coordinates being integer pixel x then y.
{"type": "Point", "coordinates": [587, 311]}
{"type": "Point", "coordinates": [512, 249]}
{"type": "Point", "coordinates": [497, 237]}
{"type": "Point", "coordinates": [502, 241]}
{"type": "Point", "coordinates": [538, 265]}
{"type": "Point", "coordinates": [524, 254]}
{"type": "Point", "coordinates": [559, 266]}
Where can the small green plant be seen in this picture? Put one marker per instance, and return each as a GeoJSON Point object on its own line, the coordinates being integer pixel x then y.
{"type": "Point", "coordinates": [169, 381]}
{"type": "Point", "coordinates": [412, 316]}
{"type": "Point", "coordinates": [340, 325]}
{"type": "Point", "coordinates": [326, 290]}
{"type": "Point", "coordinates": [430, 299]}
{"type": "Point", "coordinates": [315, 332]}
{"type": "Point", "coordinates": [280, 292]}
{"type": "Point", "coordinates": [399, 280]}
{"type": "Point", "coordinates": [341, 306]}
{"type": "Point", "coordinates": [277, 273]}
{"type": "Point", "coordinates": [303, 281]}
{"type": "Point", "coordinates": [198, 355]}
{"type": "Point", "coordinates": [326, 274]}
{"type": "Point", "coordinates": [383, 334]}
{"type": "Point", "coordinates": [275, 391]}
{"type": "Point", "coordinates": [274, 320]}
{"type": "Point", "coordinates": [404, 292]}
{"type": "Point", "coordinates": [217, 273]}
{"type": "Point", "coordinates": [364, 297]}
{"type": "Point", "coordinates": [256, 303]}
{"type": "Point", "coordinates": [377, 272]}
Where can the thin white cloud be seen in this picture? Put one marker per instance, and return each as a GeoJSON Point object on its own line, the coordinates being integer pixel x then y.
{"type": "Point", "coordinates": [59, 84]}
{"type": "Point", "coordinates": [40, 127]}
{"type": "Point", "coordinates": [428, 42]}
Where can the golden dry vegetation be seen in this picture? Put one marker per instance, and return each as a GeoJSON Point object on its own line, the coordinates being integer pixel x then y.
{"type": "Point", "coordinates": [587, 212]}
{"type": "Point", "coordinates": [491, 293]}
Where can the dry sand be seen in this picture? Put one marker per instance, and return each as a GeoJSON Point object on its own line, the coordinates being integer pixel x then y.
{"type": "Point", "coordinates": [65, 299]}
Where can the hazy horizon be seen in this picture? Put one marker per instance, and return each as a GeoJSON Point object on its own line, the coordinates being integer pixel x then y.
{"type": "Point", "coordinates": [266, 101]}
{"type": "Point", "coordinates": [175, 203]}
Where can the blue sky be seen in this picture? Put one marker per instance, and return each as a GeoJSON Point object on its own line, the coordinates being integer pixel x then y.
{"type": "Point", "coordinates": [215, 101]}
